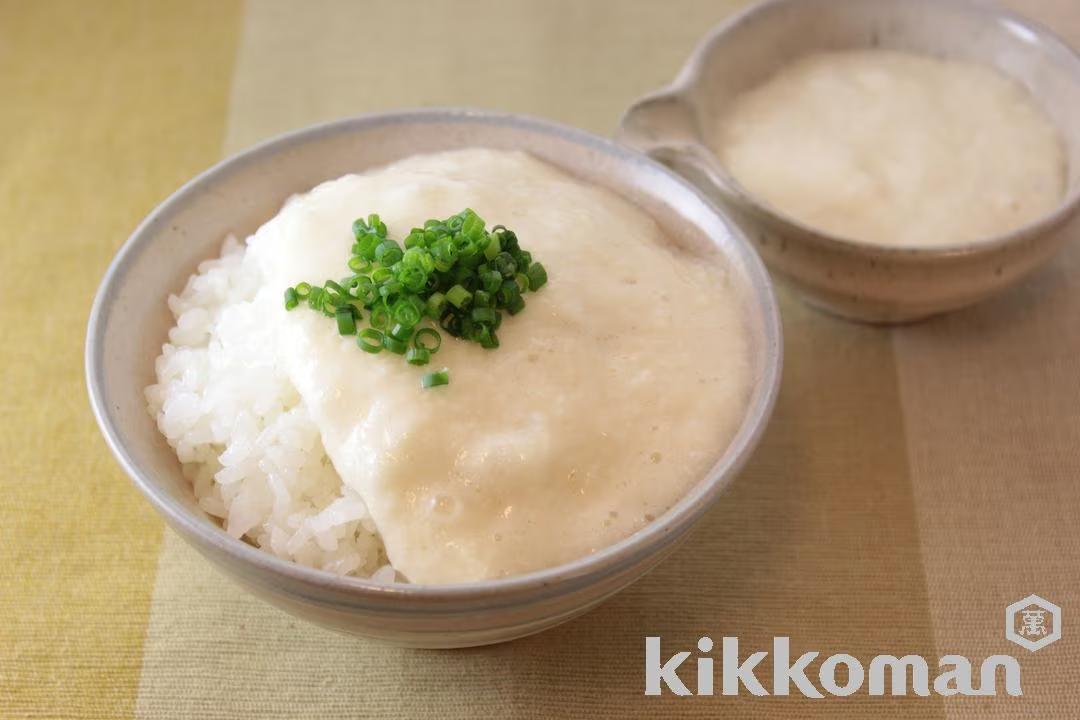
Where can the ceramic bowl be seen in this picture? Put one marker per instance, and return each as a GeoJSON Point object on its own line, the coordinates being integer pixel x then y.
{"type": "Point", "coordinates": [130, 320]}
{"type": "Point", "coordinates": [860, 280]}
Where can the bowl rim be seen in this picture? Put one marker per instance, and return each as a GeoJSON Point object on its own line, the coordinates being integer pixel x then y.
{"type": "Point", "coordinates": [582, 571]}
{"type": "Point", "coordinates": [687, 82]}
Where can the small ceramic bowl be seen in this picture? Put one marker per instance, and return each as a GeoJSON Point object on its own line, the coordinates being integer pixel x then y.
{"type": "Point", "coordinates": [860, 280]}
{"type": "Point", "coordinates": [130, 320]}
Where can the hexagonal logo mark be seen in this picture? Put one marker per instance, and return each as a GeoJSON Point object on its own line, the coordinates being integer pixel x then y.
{"type": "Point", "coordinates": [1033, 623]}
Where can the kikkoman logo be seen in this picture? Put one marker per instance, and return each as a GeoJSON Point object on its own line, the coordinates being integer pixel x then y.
{"type": "Point", "coordinates": [1033, 623]}
{"type": "Point", "coordinates": [887, 674]}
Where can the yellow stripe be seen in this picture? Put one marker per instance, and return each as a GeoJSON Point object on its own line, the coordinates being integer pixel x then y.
{"type": "Point", "coordinates": [106, 108]}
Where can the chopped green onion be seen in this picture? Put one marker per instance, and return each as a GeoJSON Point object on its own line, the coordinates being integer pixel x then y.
{"type": "Point", "coordinates": [364, 291]}
{"type": "Point", "coordinates": [346, 320]}
{"type": "Point", "coordinates": [515, 305]}
{"type": "Point", "coordinates": [492, 281]}
{"type": "Point", "coordinates": [483, 315]}
{"type": "Point", "coordinates": [445, 253]}
{"type": "Point", "coordinates": [413, 257]}
{"type": "Point", "coordinates": [505, 264]}
{"type": "Point", "coordinates": [388, 253]}
{"type": "Point", "coordinates": [435, 305]}
{"type": "Point", "coordinates": [472, 226]}
{"type": "Point", "coordinates": [401, 332]}
{"type": "Point", "coordinates": [336, 290]}
{"type": "Point", "coordinates": [370, 340]}
{"type": "Point", "coordinates": [509, 241]}
{"type": "Point", "coordinates": [435, 379]}
{"type": "Point", "coordinates": [436, 340]}
{"type": "Point", "coordinates": [394, 345]}
{"type": "Point", "coordinates": [413, 278]}
{"type": "Point", "coordinates": [391, 289]}
{"type": "Point", "coordinates": [359, 228]}
{"type": "Point", "coordinates": [537, 276]}
{"type": "Point", "coordinates": [458, 296]}
{"type": "Point", "coordinates": [488, 339]}
{"type": "Point", "coordinates": [494, 246]}
{"type": "Point", "coordinates": [380, 318]}
{"type": "Point", "coordinates": [405, 313]}
{"type": "Point", "coordinates": [508, 292]}
{"type": "Point", "coordinates": [291, 298]}
{"type": "Point", "coordinates": [451, 323]}
{"type": "Point", "coordinates": [452, 273]}
{"type": "Point", "coordinates": [418, 356]}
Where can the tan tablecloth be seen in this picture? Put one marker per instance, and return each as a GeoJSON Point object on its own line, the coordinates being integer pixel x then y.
{"type": "Point", "coordinates": [913, 482]}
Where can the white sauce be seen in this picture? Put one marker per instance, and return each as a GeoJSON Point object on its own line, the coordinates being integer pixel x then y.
{"type": "Point", "coordinates": [612, 393]}
{"type": "Point", "coordinates": [895, 149]}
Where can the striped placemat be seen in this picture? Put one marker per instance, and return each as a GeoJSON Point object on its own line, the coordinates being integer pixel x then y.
{"type": "Point", "coordinates": [913, 483]}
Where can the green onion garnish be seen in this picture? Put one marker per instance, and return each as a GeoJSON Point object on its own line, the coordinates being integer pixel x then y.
{"type": "Point", "coordinates": [405, 313]}
{"type": "Point", "coordinates": [346, 320]}
{"type": "Point", "coordinates": [453, 273]}
{"type": "Point", "coordinates": [435, 305]}
{"type": "Point", "coordinates": [436, 340]}
{"type": "Point", "coordinates": [537, 276]}
{"type": "Point", "coordinates": [370, 340]}
{"type": "Point", "coordinates": [401, 332]}
{"type": "Point", "coordinates": [458, 296]}
{"type": "Point", "coordinates": [380, 317]}
{"type": "Point", "coordinates": [418, 356]}
{"type": "Point", "coordinates": [292, 299]}
{"type": "Point", "coordinates": [483, 315]}
{"type": "Point", "coordinates": [394, 345]}
{"type": "Point", "coordinates": [434, 379]}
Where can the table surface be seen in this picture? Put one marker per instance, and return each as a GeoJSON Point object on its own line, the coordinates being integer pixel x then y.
{"type": "Point", "coordinates": [912, 484]}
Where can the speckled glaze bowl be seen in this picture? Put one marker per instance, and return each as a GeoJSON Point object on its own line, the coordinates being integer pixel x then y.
{"type": "Point", "coordinates": [860, 280]}
{"type": "Point", "coordinates": [130, 320]}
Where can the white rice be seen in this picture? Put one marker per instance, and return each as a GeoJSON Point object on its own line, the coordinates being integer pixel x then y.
{"type": "Point", "coordinates": [243, 435]}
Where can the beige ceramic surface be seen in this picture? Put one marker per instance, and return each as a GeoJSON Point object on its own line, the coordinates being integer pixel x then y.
{"type": "Point", "coordinates": [130, 320]}
{"type": "Point", "coordinates": [855, 279]}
